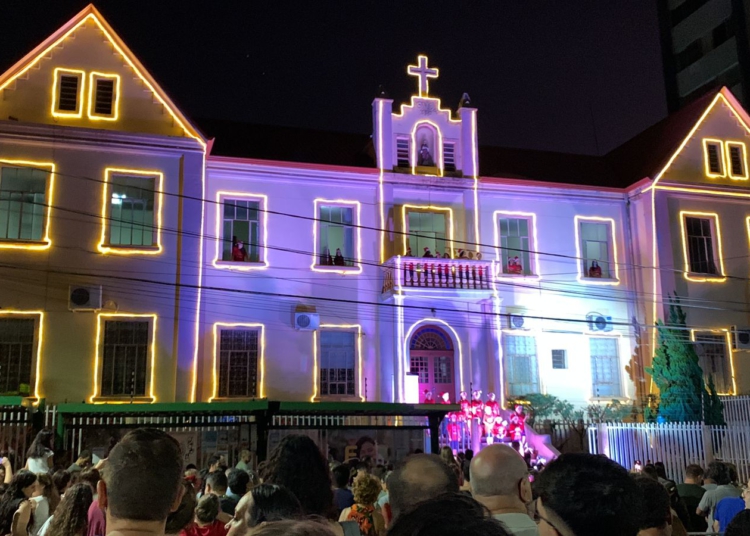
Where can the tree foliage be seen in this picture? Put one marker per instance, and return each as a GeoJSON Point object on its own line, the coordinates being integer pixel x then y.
{"type": "Point", "coordinates": [713, 407]}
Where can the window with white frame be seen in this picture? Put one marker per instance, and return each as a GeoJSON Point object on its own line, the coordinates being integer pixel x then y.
{"type": "Point", "coordinates": [239, 353]}
{"type": "Point", "coordinates": [605, 367]}
{"type": "Point", "coordinates": [559, 359]}
{"type": "Point", "coordinates": [125, 357]}
{"type": "Point", "coordinates": [336, 236]}
{"type": "Point", "coordinates": [596, 249]}
{"type": "Point", "coordinates": [132, 213]}
{"type": "Point", "coordinates": [426, 230]}
{"type": "Point", "coordinates": [515, 245]}
{"type": "Point", "coordinates": [16, 355]}
{"type": "Point", "coordinates": [338, 361]}
{"type": "Point", "coordinates": [23, 203]}
{"type": "Point", "coordinates": [241, 230]}
{"type": "Point", "coordinates": [700, 245]}
{"type": "Point", "coordinates": [713, 356]}
{"type": "Point", "coordinates": [521, 370]}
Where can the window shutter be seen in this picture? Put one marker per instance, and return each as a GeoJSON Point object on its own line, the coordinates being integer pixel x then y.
{"type": "Point", "coordinates": [105, 93]}
{"type": "Point", "coordinates": [402, 152]}
{"type": "Point", "coordinates": [714, 158]}
{"type": "Point", "coordinates": [68, 99]}
{"type": "Point", "coordinates": [736, 161]}
{"type": "Point", "coordinates": [449, 156]}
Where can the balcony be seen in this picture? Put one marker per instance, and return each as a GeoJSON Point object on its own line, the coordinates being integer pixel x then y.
{"type": "Point", "coordinates": [427, 273]}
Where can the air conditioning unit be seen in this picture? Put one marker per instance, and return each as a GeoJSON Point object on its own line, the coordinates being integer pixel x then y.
{"type": "Point", "coordinates": [599, 322]}
{"type": "Point", "coordinates": [741, 338]}
{"type": "Point", "coordinates": [87, 298]}
{"type": "Point", "coordinates": [517, 318]}
{"type": "Point", "coordinates": [306, 321]}
{"type": "Point", "coordinates": [516, 321]}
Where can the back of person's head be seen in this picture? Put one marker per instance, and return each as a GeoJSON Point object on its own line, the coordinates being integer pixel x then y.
{"type": "Point", "coordinates": [420, 477]}
{"type": "Point", "coordinates": [591, 494]}
{"type": "Point", "coordinates": [340, 476]}
{"type": "Point", "coordinates": [447, 515]}
{"type": "Point", "coordinates": [214, 459]}
{"type": "Point", "coordinates": [656, 512]}
{"type": "Point", "coordinates": [306, 527]}
{"type": "Point", "coordinates": [297, 464]}
{"type": "Point", "coordinates": [44, 441]}
{"type": "Point", "coordinates": [740, 524]}
{"type": "Point", "coordinates": [379, 471]}
{"type": "Point", "coordinates": [238, 481]}
{"type": "Point", "coordinates": [61, 480]}
{"type": "Point", "coordinates": [208, 508]}
{"type": "Point", "coordinates": [498, 470]}
{"type": "Point", "coordinates": [366, 489]}
{"type": "Point", "coordinates": [142, 476]}
{"type": "Point", "coordinates": [271, 503]}
{"type": "Point", "coordinates": [694, 471]}
{"type": "Point", "coordinates": [734, 475]}
{"type": "Point", "coordinates": [218, 482]}
{"type": "Point", "coordinates": [661, 470]}
{"type": "Point", "coordinates": [20, 481]}
{"type": "Point", "coordinates": [85, 455]}
{"type": "Point", "coordinates": [469, 454]}
{"type": "Point", "coordinates": [91, 477]}
{"type": "Point", "coordinates": [719, 473]}
{"type": "Point", "coordinates": [71, 516]}
{"type": "Point", "coordinates": [446, 453]}
{"type": "Point", "coordinates": [183, 516]}
{"type": "Point", "coordinates": [650, 471]}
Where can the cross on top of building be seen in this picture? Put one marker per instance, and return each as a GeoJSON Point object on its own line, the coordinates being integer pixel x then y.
{"type": "Point", "coordinates": [424, 73]}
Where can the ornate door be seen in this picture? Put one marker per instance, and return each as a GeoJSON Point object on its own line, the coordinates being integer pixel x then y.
{"type": "Point", "coordinates": [431, 358]}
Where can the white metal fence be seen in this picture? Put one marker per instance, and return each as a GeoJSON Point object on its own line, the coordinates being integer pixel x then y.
{"type": "Point", "coordinates": [736, 409]}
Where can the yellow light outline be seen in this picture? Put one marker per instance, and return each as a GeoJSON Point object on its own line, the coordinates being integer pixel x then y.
{"type": "Point", "coordinates": [706, 163]}
{"type": "Point", "coordinates": [743, 149]}
{"type": "Point", "coordinates": [425, 208]}
{"type": "Point", "coordinates": [261, 364]}
{"type": "Point", "coordinates": [343, 270]}
{"type": "Point", "coordinates": [414, 146]}
{"type": "Point", "coordinates": [536, 275]}
{"type": "Point", "coordinates": [104, 246]}
{"type": "Point", "coordinates": [447, 112]}
{"type": "Point", "coordinates": [263, 264]}
{"type": "Point", "coordinates": [728, 338]}
{"type": "Point", "coordinates": [45, 243]}
{"type": "Point", "coordinates": [419, 75]}
{"type": "Point", "coordinates": [686, 272]}
{"type": "Point", "coordinates": [90, 112]}
{"type": "Point", "coordinates": [579, 256]}
{"type": "Point", "coordinates": [58, 72]}
{"type": "Point", "coordinates": [39, 342]}
{"type": "Point", "coordinates": [347, 328]}
{"type": "Point", "coordinates": [409, 332]}
{"type": "Point", "coordinates": [96, 398]}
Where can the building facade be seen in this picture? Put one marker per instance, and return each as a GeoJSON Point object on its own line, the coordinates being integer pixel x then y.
{"type": "Point", "coordinates": [139, 266]}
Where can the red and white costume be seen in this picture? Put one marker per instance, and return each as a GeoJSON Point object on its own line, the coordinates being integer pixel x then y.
{"type": "Point", "coordinates": [493, 405]}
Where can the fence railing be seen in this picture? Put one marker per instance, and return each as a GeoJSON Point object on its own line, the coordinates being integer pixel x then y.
{"type": "Point", "coordinates": [419, 272]}
{"type": "Point", "coordinates": [736, 409]}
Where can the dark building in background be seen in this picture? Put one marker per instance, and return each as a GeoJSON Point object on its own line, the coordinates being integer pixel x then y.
{"type": "Point", "coordinates": [704, 46]}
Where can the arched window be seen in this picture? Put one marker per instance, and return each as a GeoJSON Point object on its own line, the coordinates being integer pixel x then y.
{"type": "Point", "coordinates": [431, 338]}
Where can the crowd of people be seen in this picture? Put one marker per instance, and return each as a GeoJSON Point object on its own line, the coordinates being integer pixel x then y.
{"type": "Point", "coordinates": [142, 489]}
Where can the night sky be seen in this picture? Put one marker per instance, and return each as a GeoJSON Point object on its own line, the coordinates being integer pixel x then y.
{"type": "Point", "coordinates": [574, 76]}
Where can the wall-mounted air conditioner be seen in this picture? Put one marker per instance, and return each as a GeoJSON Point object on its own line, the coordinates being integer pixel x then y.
{"type": "Point", "coordinates": [599, 322]}
{"type": "Point", "coordinates": [85, 298]}
{"type": "Point", "coordinates": [306, 321]}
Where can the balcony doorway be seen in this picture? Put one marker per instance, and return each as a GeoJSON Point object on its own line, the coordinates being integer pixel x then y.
{"type": "Point", "coordinates": [432, 359]}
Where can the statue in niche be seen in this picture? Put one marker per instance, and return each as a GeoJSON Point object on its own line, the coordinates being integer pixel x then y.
{"type": "Point", "coordinates": [425, 158]}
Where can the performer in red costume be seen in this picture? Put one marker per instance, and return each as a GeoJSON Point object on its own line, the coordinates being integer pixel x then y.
{"type": "Point", "coordinates": [477, 406]}
{"type": "Point", "coordinates": [445, 398]}
{"type": "Point", "coordinates": [454, 432]}
{"type": "Point", "coordinates": [465, 406]}
{"type": "Point", "coordinates": [492, 404]}
{"type": "Point", "coordinates": [488, 422]}
{"type": "Point", "coordinates": [428, 397]}
{"type": "Point", "coordinates": [500, 429]}
{"type": "Point", "coordinates": [521, 419]}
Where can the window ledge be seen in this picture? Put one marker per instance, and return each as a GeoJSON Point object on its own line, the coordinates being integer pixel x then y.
{"type": "Point", "coordinates": [337, 269]}
{"type": "Point", "coordinates": [599, 280]}
{"type": "Point", "coordinates": [240, 265]}
{"type": "Point", "coordinates": [337, 398]}
{"type": "Point", "coordinates": [501, 275]}
{"type": "Point", "coordinates": [24, 244]}
{"type": "Point", "coordinates": [129, 250]}
{"type": "Point", "coordinates": [123, 400]}
{"type": "Point", "coordinates": [702, 278]}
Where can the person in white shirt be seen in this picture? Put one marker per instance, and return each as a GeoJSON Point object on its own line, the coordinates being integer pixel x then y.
{"type": "Point", "coordinates": [39, 456]}
{"type": "Point", "coordinates": [500, 481]}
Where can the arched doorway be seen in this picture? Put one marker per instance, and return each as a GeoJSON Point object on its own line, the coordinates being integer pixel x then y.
{"type": "Point", "coordinates": [431, 358]}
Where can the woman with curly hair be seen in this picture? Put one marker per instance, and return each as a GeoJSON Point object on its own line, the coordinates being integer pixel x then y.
{"type": "Point", "coordinates": [39, 456]}
{"type": "Point", "coordinates": [71, 517]}
{"type": "Point", "coordinates": [46, 499]}
{"type": "Point", "coordinates": [366, 489]}
{"type": "Point", "coordinates": [15, 506]}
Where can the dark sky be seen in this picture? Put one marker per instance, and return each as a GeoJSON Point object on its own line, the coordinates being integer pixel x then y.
{"type": "Point", "coordinates": [574, 76]}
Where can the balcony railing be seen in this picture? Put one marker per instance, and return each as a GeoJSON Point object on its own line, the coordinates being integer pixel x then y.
{"type": "Point", "coordinates": [417, 272]}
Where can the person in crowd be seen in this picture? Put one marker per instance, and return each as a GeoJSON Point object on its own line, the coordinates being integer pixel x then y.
{"type": "Point", "coordinates": [238, 483]}
{"type": "Point", "coordinates": [383, 502]}
{"type": "Point", "coordinates": [46, 499]}
{"type": "Point", "coordinates": [297, 464]}
{"type": "Point", "coordinates": [246, 457]}
{"type": "Point", "coordinates": [217, 484]}
{"type": "Point", "coordinates": [740, 525]}
{"type": "Point", "coordinates": [427, 253]}
{"type": "Point", "coordinates": [92, 477]}
{"type": "Point", "coordinates": [83, 462]}
{"type": "Point", "coordinates": [466, 486]}
{"type": "Point", "coordinates": [215, 463]}
{"type": "Point", "coordinates": [718, 472]}
{"type": "Point", "coordinates": [97, 519]}
{"type": "Point", "coordinates": [295, 528]}
{"type": "Point", "coordinates": [656, 516]}
{"type": "Point", "coordinates": [587, 495]}
{"type": "Point", "coordinates": [446, 454]}
{"type": "Point", "coordinates": [371, 523]}
{"type": "Point", "coordinates": [269, 503]}
{"type": "Point", "coordinates": [40, 456]}
{"type": "Point", "coordinates": [205, 522]}
{"type": "Point", "coordinates": [182, 518]}
{"type": "Point", "coordinates": [338, 259]}
{"type": "Point", "coordinates": [16, 509]}
{"type": "Point", "coordinates": [708, 481]}
{"type": "Point", "coordinates": [500, 481]}
{"type": "Point", "coordinates": [342, 496]}
{"type": "Point", "coordinates": [447, 515]}
{"type": "Point", "coordinates": [6, 473]}
{"type": "Point", "coordinates": [142, 483]}
{"type": "Point", "coordinates": [71, 516]}
{"type": "Point", "coordinates": [729, 508]}
{"type": "Point", "coordinates": [691, 492]}
{"type": "Point", "coordinates": [418, 478]}
{"type": "Point", "coordinates": [62, 480]}
{"type": "Point", "coordinates": [193, 477]}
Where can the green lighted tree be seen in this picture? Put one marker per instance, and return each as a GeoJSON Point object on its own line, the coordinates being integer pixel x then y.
{"type": "Point", "coordinates": [676, 370]}
{"type": "Point", "coordinates": [713, 407]}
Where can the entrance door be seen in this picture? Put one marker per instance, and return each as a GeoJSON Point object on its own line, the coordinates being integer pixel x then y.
{"type": "Point", "coordinates": [431, 359]}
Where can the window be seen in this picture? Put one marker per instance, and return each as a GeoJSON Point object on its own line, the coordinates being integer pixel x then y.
{"type": "Point", "coordinates": [713, 158]}
{"type": "Point", "coordinates": [336, 236]}
{"type": "Point", "coordinates": [402, 152]}
{"type": "Point", "coordinates": [713, 356]}
{"type": "Point", "coordinates": [16, 355]}
{"type": "Point", "coordinates": [736, 160]}
{"type": "Point", "coordinates": [338, 356]}
{"type": "Point", "coordinates": [700, 245]}
{"type": "Point", "coordinates": [104, 96]}
{"type": "Point", "coordinates": [449, 156]}
{"type": "Point", "coordinates": [241, 230]}
{"type": "Point", "coordinates": [515, 245]}
{"type": "Point", "coordinates": [521, 372]}
{"type": "Point", "coordinates": [67, 93]}
{"type": "Point", "coordinates": [23, 204]}
{"type": "Point", "coordinates": [427, 230]}
{"type": "Point", "coordinates": [132, 214]}
{"type": "Point", "coordinates": [596, 242]}
{"type": "Point", "coordinates": [559, 359]}
{"type": "Point", "coordinates": [605, 367]}
{"type": "Point", "coordinates": [125, 357]}
{"type": "Point", "coordinates": [239, 354]}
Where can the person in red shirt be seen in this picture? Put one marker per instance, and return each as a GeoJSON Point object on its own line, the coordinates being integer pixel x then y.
{"type": "Point", "coordinates": [206, 523]}
{"type": "Point", "coordinates": [493, 405]}
{"type": "Point", "coordinates": [477, 406]}
{"type": "Point", "coordinates": [465, 405]}
{"type": "Point", "coordinates": [454, 431]}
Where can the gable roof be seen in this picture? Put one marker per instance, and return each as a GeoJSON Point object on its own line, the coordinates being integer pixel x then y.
{"type": "Point", "coordinates": [91, 13]}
